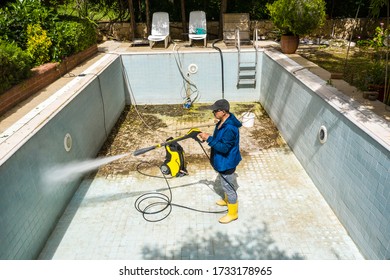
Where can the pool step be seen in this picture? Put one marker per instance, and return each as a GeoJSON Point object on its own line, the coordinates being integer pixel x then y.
{"type": "Point", "coordinates": [247, 75]}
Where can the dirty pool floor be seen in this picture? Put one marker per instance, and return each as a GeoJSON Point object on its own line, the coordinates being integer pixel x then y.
{"type": "Point", "coordinates": [281, 213]}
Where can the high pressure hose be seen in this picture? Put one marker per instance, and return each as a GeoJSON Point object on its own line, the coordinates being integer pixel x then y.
{"type": "Point", "coordinates": [222, 70]}
{"type": "Point", "coordinates": [186, 81]}
{"type": "Point", "coordinates": [149, 201]}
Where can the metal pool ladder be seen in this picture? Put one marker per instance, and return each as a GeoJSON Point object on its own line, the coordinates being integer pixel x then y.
{"type": "Point", "coordinates": [246, 77]}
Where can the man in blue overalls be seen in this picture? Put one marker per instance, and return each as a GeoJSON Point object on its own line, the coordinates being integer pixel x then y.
{"type": "Point", "coordinates": [225, 154]}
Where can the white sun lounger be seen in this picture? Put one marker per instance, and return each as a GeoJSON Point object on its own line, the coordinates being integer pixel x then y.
{"type": "Point", "coordinates": [198, 27]}
{"type": "Point", "coordinates": [160, 29]}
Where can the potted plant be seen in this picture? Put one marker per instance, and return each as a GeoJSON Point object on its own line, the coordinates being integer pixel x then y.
{"type": "Point", "coordinates": [372, 79]}
{"type": "Point", "coordinates": [294, 18]}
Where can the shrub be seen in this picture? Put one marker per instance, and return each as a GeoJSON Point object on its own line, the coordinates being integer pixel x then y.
{"type": "Point", "coordinates": [38, 44]}
{"type": "Point", "coordinates": [18, 15]}
{"type": "Point", "coordinates": [68, 35]}
{"type": "Point", "coordinates": [297, 17]}
{"type": "Point", "coordinates": [71, 37]}
{"type": "Point", "coordinates": [372, 74]}
{"type": "Point", "coordinates": [379, 39]}
{"type": "Point", "coordinates": [38, 35]}
{"type": "Point", "coordinates": [15, 65]}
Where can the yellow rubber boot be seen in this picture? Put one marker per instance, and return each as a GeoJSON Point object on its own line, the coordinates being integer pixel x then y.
{"type": "Point", "coordinates": [222, 202]}
{"type": "Point", "coordinates": [231, 215]}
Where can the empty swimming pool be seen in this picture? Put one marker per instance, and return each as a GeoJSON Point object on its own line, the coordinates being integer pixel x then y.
{"type": "Point", "coordinates": [281, 215]}
{"type": "Point", "coordinates": [302, 200]}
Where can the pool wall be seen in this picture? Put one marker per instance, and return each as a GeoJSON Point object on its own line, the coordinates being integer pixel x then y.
{"type": "Point", "coordinates": [155, 78]}
{"type": "Point", "coordinates": [352, 168]}
{"type": "Point", "coordinates": [87, 108]}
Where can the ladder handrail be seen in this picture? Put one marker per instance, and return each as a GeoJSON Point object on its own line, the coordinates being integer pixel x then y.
{"type": "Point", "coordinates": [245, 73]}
{"type": "Point", "coordinates": [238, 46]}
{"type": "Point", "coordinates": [255, 36]}
{"type": "Point", "coordinates": [255, 39]}
{"type": "Point", "coordinates": [237, 39]}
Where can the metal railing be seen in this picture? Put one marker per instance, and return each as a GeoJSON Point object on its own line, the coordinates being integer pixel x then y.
{"type": "Point", "coordinates": [255, 39]}
{"type": "Point", "coordinates": [237, 43]}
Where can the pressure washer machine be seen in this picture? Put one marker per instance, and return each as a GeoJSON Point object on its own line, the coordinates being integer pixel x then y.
{"type": "Point", "coordinates": [175, 163]}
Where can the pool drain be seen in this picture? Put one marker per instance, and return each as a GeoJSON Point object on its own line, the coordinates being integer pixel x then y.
{"type": "Point", "coordinates": [67, 142]}
{"type": "Point", "coordinates": [323, 134]}
{"type": "Point", "coordinates": [192, 68]}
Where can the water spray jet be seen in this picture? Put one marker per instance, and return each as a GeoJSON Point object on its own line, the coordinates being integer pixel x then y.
{"type": "Point", "coordinates": [72, 170]}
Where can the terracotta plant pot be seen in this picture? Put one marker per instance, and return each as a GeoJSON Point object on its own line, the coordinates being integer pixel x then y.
{"type": "Point", "coordinates": [380, 89]}
{"type": "Point", "coordinates": [371, 95]}
{"type": "Point", "coordinates": [289, 43]}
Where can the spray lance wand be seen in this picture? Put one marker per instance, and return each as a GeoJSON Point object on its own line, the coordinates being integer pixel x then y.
{"type": "Point", "coordinates": [192, 133]}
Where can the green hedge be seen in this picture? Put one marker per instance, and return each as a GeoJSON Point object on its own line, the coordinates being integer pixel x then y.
{"type": "Point", "coordinates": [39, 35]}
{"type": "Point", "coordinates": [15, 65]}
{"type": "Point", "coordinates": [72, 36]}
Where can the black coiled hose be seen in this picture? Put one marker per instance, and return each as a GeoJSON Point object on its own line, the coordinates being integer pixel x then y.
{"type": "Point", "coordinates": [146, 203]}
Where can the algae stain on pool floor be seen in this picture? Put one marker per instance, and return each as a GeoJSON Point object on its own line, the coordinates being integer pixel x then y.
{"type": "Point", "coordinates": [146, 125]}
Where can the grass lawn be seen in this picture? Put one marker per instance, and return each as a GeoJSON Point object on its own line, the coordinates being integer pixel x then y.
{"type": "Point", "coordinates": [364, 68]}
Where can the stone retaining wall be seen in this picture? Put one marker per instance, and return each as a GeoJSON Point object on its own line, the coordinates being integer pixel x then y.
{"type": "Point", "coordinates": [333, 28]}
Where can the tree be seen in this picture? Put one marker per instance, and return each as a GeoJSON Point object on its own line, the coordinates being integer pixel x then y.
{"type": "Point", "coordinates": [147, 12]}
{"type": "Point", "coordinates": [222, 11]}
{"type": "Point", "coordinates": [376, 6]}
{"type": "Point", "coordinates": [4, 3]}
{"type": "Point", "coordinates": [132, 18]}
{"type": "Point", "coordinates": [183, 16]}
